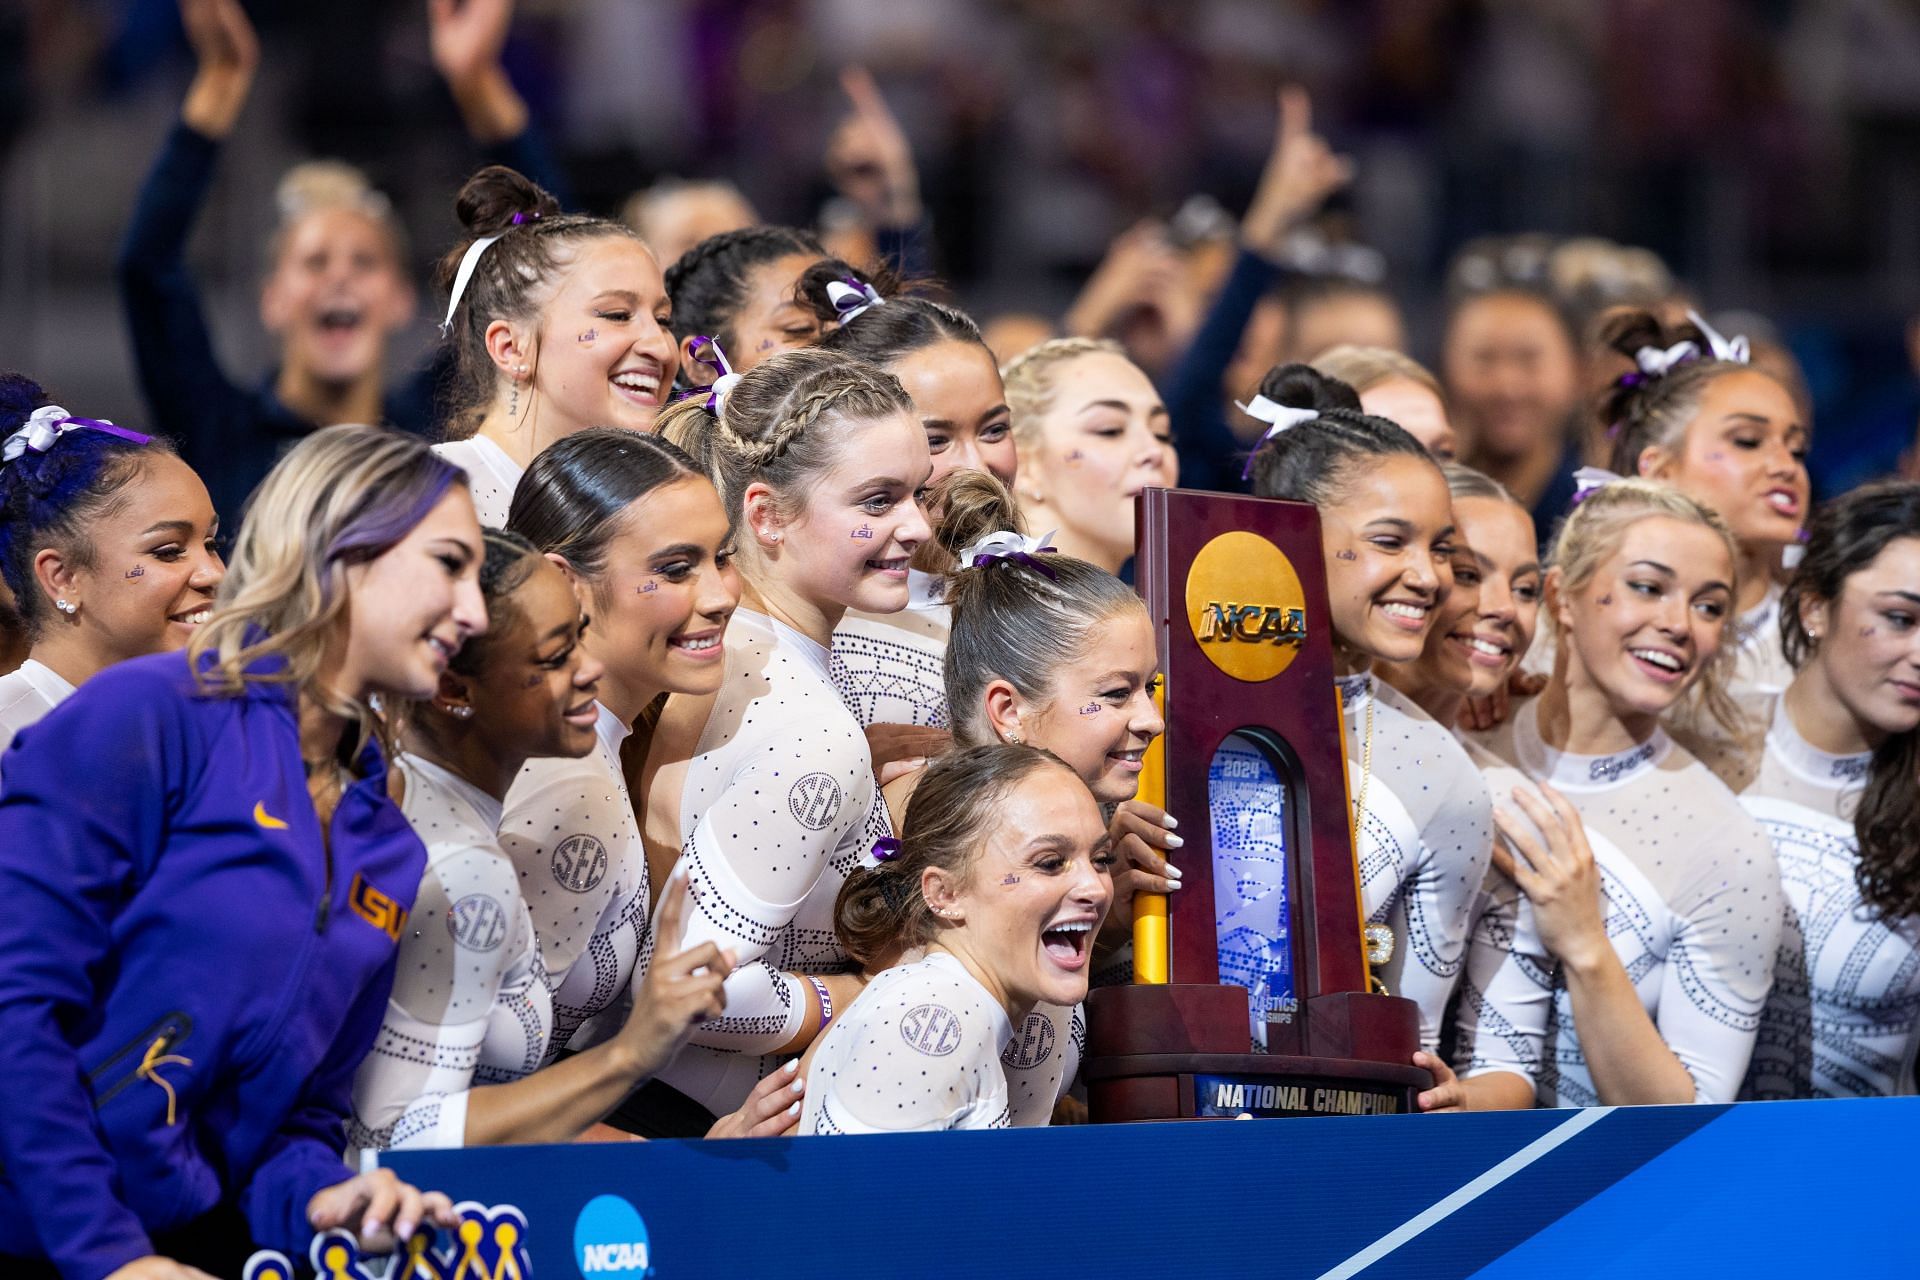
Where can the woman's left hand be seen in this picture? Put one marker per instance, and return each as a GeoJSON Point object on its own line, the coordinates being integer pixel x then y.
{"type": "Point", "coordinates": [379, 1209]}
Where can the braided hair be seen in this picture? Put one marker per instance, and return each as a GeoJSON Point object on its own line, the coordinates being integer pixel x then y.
{"type": "Point", "coordinates": [1313, 461]}
{"type": "Point", "coordinates": [708, 283]}
{"type": "Point", "coordinates": [513, 278]}
{"type": "Point", "coordinates": [51, 499]}
{"type": "Point", "coordinates": [780, 424]}
{"type": "Point", "coordinates": [1641, 412]}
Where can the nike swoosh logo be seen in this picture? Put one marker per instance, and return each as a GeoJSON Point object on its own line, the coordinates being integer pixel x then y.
{"type": "Point", "coordinates": [265, 819]}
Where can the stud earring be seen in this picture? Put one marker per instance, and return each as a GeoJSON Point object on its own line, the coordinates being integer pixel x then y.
{"type": "Point", "coordinates": [460, 713]}
{"type": "Point", "coordinates": [67, 607]}
{"type": "Point", "coordinates": [1013, 739]}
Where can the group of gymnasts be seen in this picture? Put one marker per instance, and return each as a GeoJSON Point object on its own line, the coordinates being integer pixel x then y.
{"type": "Point", "coordinates": [732, 726]}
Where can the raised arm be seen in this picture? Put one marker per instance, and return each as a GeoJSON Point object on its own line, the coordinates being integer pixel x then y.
{"type": "Point", "coordinates": [186, 390]}
{"type": "Point", "coordinates": [1300, 174]}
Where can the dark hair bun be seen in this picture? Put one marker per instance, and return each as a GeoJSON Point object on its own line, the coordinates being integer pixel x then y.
{"type": "Point", "coordinates": [1301, 386]}
{"type": "Point", "coordinates": [491, 198]}
{"type": "Point", "coordinates": [19, 397]}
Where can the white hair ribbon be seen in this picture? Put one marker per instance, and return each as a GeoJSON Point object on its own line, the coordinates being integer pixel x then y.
{"type": "Point", "coordinates": [1656, 363]}
{"type": "Point", "coordinates": [45, 425]}
{"type": "Point", "coordinates": [1590, 480]}
{"type": "Point", "coordinates": [1736, 350]}
{"type": "Point", "coordinates": [1007, 545]}
{"type": "Point", "coordinates": [852, 298]}
{"type": "Point", "coordinates": [1278, 417]}
{"type": "Point", "coordinates": [468, 261]}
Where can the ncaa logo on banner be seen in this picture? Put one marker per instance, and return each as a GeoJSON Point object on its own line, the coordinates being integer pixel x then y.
{"type": "Point", "coordinates": [609, 1239]}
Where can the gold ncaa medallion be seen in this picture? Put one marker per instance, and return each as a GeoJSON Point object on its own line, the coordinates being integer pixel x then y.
{"type": "Point", "coordinates": [1246, 607]}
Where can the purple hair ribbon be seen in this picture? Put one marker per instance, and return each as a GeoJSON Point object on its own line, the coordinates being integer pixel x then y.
{"type": "Point", "coordinates": [706, 351]}
{"type": "Point", "coordinates": [851, 298]}
{"type": "Point", "coordinates": [886, 849]}
{"type": "Point", "coordinates": [1588, 481]}
{"type": "Point", "coordinates": [1007, 545]}
{"type": "Point", "coordinates": [522, 218]}
{"type": "Point", "coordinates": [45, 425]}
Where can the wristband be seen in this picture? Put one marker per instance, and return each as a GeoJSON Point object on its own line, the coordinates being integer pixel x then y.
{"type": "Point", "coordinates": [826, 999]}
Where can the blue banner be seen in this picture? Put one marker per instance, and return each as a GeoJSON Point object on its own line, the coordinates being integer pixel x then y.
{"type": "Point", "coordinates": [1785, 1188]}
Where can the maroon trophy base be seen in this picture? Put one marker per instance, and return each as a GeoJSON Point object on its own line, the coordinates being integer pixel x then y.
{"type": "Point", "coordinates": [1177, 1052]}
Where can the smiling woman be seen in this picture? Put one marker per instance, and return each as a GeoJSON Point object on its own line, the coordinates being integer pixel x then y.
{"type": "Point", "coordinates": [249, 790]}
{"type": "Point", "coordinates": [1003, 875]}
{"type": "Point", "coordinates": [758, 797]}
{"type": "Point", "coordinates": [106, 542]}
{"type": "Point", "coordinates": [1727, 434]}
{"type": "Point", "coordinates": [1627, 945]}
{"type": "Point", "coordinates": [1387, 533]}
{"type": "Point", "coordinates": [559, 323]}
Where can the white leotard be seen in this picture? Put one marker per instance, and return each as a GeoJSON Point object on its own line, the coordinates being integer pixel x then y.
{"type": "Point", "coordinates": [1426, 837]}
{"type": "Point", "coordinates": [890, 668]}
{"type": "Point", "coordinates": [1042, 1057]}
{"type": "Point", "coordinates": [772, 819]}
{"type": "Point", "coordinates": [1692, 909]}
{"type": "Point", "coordinates": [1843, 1020]}
{"type": "Point", "coordinates": [920, 1049]}
{"type": "Point", "coordinates": [27, 693]}
{"type": "Point", "coordinates": [491, 474]}
{"type": "Point", "coordinates": [570, 831]}
{"type": "Point", "coordinates": [470, 1003]}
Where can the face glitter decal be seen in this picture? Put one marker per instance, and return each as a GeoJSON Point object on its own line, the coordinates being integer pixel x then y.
{"type": "Point", "coordinates": [651, 584]}
{"type": "Point", "coordinates": [1345, 555]}
{"type": "Point", "coordinates": [138, 571]}
{"type": "Point", "coordinates": [1009, 878]}
{"type": "Point", "coordinates": [1605, 599]}
{"type": "Point", "coordinates": [589, 335]}
{"type": "Point", "coordinates": [1091, 709]}
{"type": "Point", "coordinates": [864, 531]}
{"type": "Point", "coordinates": [1868, 631]}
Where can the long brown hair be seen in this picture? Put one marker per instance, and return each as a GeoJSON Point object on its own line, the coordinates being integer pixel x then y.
{"type": "Point", "coordinates": [1846, 536]}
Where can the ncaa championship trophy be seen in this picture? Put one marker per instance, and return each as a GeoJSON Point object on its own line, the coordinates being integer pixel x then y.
{"type": "Point", "coordinates": [1251, 992]}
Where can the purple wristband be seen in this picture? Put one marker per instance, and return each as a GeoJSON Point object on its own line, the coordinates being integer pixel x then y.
{"type": "Point", "coordinates": [826, 1000]}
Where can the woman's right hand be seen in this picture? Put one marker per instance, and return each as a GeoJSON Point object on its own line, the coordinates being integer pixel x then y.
{"type": "Point", "coordinates": [1142, 836]}
{"type": "Point", "coordinates": [228, 54]}
{"type": "Point", "coordinates": [772, 1110]}
{"type": "Point", "coordinates": [155, 1267]}
{"type": "Point", "coordinates": [1554, 867]}
{"type": "Point", "coordinates": [680, 990]}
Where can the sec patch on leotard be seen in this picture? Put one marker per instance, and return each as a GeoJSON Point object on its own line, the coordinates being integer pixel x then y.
{"type": "Point", "coordinates": [1031, 1046]}
{"type": "Point", "coordinates": [579, 863]}
{"type": "Point", "coordinates": [478, 921]}
{"type": "Point", "coordinates": [932, 1029]}
{"type": "Point", "coordinates": [814, 800]}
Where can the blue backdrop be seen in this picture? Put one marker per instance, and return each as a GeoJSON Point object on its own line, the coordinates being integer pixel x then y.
{"type": "Point", "coordinates": [1788, 1188]}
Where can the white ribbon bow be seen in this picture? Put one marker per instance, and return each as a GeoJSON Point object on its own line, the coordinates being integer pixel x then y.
{"type": "Point", "coordinates": [1588, 480]}
{"type": "Point", "coordinates": [1279, 417]}
{"type": "Point", "coordinates": [850, 301]}
{"type": "Point", "coordinates": [1735, 351]}
{"type": "Point", "coordinates": [42, 427]}
{"type": "Point", "coordinates": [1656, 363]}
{"type": "Point", "coordinates": [468, 261]}
{"type": "Point", "coordinates": [1007, 543]}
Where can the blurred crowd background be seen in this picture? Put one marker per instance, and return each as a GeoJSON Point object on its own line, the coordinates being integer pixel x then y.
{"type": "Point", "coordinates": [1765, 153]}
